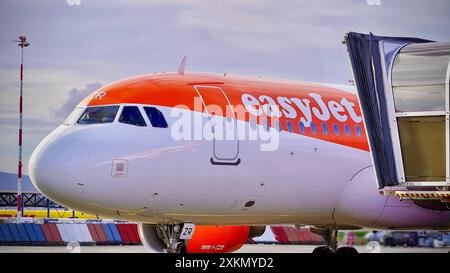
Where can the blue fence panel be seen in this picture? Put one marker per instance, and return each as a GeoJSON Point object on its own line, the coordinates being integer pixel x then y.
{"type": "Point", "coordinates": [23, 233]}
{"type": "Point", "coordinates": [38, 231]}
{"type": "Point", "coordinates": [6, 233]}
{"type": "Point", "coordinates": [115, 232]}
{"type": "Point", "coordinates": [14, 232]}
{"type": "Point", "coordinates": [2, 237]}
{"type": "Point", "coordinates": [108, 233]}
{"type": "Point", "coordinates": [30, 231]}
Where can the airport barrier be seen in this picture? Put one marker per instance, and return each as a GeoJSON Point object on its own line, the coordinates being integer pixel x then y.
{"type": "Point", "coordinates": [6, 235]}
{"type": "Point", "coordinates": [114, 233]}
{"type": "Point", "coordinates": [75, 232]}
{"type": "Point", "coordinates": [98, 234]}
{"type": "Point", "coordinates": [128, 233]}
{"type": "Point", "coordinates": [288, 235]}
{"type": "Point", "coordinates": [21, 234]}
{"type": "Point", "coordinates": [51, 234]}
{"type": "Point", "coordinates": [280, 235]}
{"type": "Point", "coordinates": [62, 233]}
{"type": "Point", "coordinates": [56, 232]}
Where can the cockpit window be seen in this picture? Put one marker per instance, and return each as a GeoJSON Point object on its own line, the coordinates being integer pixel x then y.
{"type": "Point", "coordinates": [99, 114]}
{"type": "Point", "coordinates": [74, 116]}
{"type": "Point", "coordinates": [131, 115]}
{"type": "Point", "coordinates": [156, 117]}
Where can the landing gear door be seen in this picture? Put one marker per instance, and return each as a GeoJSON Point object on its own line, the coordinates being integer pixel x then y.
{"type": "Point", "coordinates": [403, 91]}
{"type": "Point", "coordinates": [225, 148]}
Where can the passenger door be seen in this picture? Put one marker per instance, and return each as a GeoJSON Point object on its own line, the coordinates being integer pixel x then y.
{"type": "Point", "coordinates": [225, 148]}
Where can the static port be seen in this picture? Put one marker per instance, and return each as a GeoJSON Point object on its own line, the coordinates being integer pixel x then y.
{"type": "Point", "coordinates": [249, 204]}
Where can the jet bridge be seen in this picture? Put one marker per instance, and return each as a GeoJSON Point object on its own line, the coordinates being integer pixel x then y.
{"type": "Point", "coordinates": [403, 90]}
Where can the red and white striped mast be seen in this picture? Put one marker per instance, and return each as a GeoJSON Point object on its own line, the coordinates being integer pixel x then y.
{"type": "Point", "coordinates": [22, 42]}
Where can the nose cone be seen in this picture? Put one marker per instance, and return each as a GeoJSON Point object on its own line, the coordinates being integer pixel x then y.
{"type": "Point", "coordinates": [59, 168]}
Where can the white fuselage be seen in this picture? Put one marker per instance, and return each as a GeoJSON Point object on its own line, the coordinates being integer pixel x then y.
{"type": "Point", "coordinates": [305, 180]}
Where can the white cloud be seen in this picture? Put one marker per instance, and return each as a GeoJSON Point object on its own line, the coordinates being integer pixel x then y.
{"type": "Point", "coordinates": [75, 96]}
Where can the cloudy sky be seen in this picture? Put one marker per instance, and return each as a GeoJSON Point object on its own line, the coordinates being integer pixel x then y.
{"type": "Point", "coordinates": [78, 48]}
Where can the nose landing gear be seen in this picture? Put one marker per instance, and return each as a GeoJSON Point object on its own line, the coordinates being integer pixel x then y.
{"type": "Point", "coordinates": [170, 235]}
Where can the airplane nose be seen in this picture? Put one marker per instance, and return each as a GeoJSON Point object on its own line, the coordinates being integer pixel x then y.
{"type": "Point", "coordinates": [60, 168]}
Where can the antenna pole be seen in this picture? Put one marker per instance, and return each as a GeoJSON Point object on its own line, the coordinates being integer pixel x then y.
{"type": "Point", "coordinates": [22, 42]}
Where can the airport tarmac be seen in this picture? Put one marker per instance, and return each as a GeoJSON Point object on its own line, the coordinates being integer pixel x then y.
{"type": "Point", "coordinates": [250, 248]}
